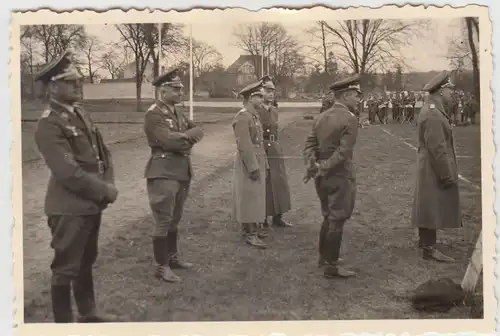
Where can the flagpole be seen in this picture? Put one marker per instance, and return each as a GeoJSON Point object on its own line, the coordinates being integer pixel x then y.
{"type": "Point", "coordinates": [262, 62]}
{"type": "Point", "coordinates": [191, 86]}
{"type": "Point", "coordinates": [159, 51]}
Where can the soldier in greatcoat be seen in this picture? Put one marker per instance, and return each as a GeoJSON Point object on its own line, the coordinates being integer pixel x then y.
{"type": "Point", "coordinates": [278, 199]}
{"type": "Point", "coordinates": [171, 136]}
{"type": "Point", "coordinates": [328, 153]}
{"type": "Point", "coordinates": [250, 166]}
{"type": "Point", "coordinates": [436, 202]}
{"type": "Point", "coordinates": [80, 187]}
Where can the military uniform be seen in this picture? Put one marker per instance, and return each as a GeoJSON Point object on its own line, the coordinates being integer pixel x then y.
{"type": "Point", "coordinates": [80, 187]}
{"type": "Point", "coordinates": [330, 146]}
{"type": "Point", "coordinates": [327, 101]}
{"type": "Point", "coordinates": [372, 109]}
{"type": "Point", "coordinates": [168, 172]}
{"type": "Point", "coordinates": [278, 199]}
{"type": "Point", "coordinates": [436, 202]}
{"type": "Point", "coordinates": [382, 109]}
{"type": "Point", "coordinates": [250, 168]}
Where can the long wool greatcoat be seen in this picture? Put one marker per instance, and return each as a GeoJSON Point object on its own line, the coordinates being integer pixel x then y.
{"type": "Point", "coordinates": [435, 207]}
{"type": "Point", "coordinates": [277, 189]}
{"type": "Point", "coordinates": [249, 197]}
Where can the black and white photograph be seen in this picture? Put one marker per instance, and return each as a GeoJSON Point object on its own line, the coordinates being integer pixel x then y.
{"type": "Point", "coordinates": [233, 166]}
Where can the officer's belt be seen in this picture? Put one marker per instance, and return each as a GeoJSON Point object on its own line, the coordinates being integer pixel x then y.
{"type": "Point", "coordinates": [270, 137]}
{"type": "Point", "coordinates": [157, 155]}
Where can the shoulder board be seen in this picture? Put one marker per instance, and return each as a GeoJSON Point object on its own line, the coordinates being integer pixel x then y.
{"type": "Point", "coordinates": [152, 107]}
{"type": "Point", "coordinates": [46, 113]}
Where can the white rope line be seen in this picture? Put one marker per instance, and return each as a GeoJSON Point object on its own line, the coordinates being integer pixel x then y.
{"type": "Point", "coordinates": [472, 184]}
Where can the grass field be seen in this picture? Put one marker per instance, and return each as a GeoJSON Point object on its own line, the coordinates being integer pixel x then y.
{"type": "Point", "coordinates": [129, 105]}
{"type": "Point", "coordinates": [234, 282]}
{"type": "Point", "coordinates": [116, 127]}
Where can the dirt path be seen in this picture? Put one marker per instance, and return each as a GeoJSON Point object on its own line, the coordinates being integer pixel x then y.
{"type": "Point", "coordinates": [213, 153]}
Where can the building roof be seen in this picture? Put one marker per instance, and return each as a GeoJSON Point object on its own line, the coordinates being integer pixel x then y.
{"type": "Point", "coordinates": [254, 59]}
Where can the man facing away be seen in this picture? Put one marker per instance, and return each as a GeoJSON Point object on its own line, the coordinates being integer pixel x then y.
{"type": "Point", "coordinates": [436, 202]}
{"type": "Point", "coordinates": [168, 172]}
{"type": "Point", "coordinates": [328, 152]}
{"type": "Point", "coordinates": [80, 187]}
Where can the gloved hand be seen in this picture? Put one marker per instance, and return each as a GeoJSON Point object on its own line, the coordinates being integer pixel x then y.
{"type": "Point", "coordinates": [255, 175]}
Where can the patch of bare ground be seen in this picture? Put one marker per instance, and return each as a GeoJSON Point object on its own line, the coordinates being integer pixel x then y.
{"type": "Point", "coordinates": [210, 156]}
{"type": "Point", "coordinates": [234, 282]}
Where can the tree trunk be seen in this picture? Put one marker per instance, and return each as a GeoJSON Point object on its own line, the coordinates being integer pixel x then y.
{"type": "Point", "coordinates": [325, 52]}
{"type": "Point", "coordinates": [475, 59]}
{"type": "Point", "coordinates": [138, 87]}
{"type": "Point", "coordinates": [138, 84]}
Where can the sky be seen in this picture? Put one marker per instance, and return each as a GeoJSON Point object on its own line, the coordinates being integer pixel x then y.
{"type": "Point", "coordinates": [423, 54]}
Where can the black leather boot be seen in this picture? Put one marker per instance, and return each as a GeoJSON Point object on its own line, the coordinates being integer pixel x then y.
{"type": "Point", "coordinates": [162, 257]}
{"type": "Point", "coordinates": [322, 243]}
{"type": "Point", "coordinates": [83, 291]}
{"type": "Point", "coordinates": [334, 268]}
{"type": "Point", "coordinates": [278, 221]}
{"type": "Point", "coordinates": [61, 303]}
{"type": "Point", "coordinates": [175, 261]}
{"type": "Point", "coordinates": [431, 253]}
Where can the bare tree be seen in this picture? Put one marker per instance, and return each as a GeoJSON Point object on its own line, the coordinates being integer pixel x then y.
{"type": "Point", "coordinates": [472, 32]}
{"type": "Point", "coordinates": [134, 37]}
{"type": "Point", "coordinates": [205, 58]}
{"type": "Point", "coordinates": [91, 62]}
{"type": "Point", "coordinates": [113, 61]}
{"type": "Point", "coordinates": [319, 50]}
{"type": "Point", "coordinates": [463, 50]}
{"type": "Point", "coordinates": [172, 41]}
{"type": "Point", "coordinates": [29, 50]}
{"type": "Point", "coordinates": [55, 39]}
{"type": "Point", "coordinates": [366, 46]}
{"type": "Point", "coordinates": [272, 42]}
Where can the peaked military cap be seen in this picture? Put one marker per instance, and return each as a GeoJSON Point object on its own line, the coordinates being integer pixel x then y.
{"type": "Point", "coordinates": [170, 78]}
{"type": "Point", "coordinates": [61, 68]}
{"type": "Point", "coordinates": [441, 80]}
{"type": "Point", "coordinates": [268, 82]}
{"type": "Point", "coordinates": [351, 83]}
{"type": "Point", "coordinates": [252, 90]}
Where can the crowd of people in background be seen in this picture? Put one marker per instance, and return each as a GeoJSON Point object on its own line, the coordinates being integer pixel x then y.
{"type": "Point", "coordinates": [402, 106]}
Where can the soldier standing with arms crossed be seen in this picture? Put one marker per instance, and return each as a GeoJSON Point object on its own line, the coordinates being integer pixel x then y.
{"type": "Point", "coordinates": [278, 199]}
{"type": "Point", "coordinates": [168, 171]}
{"type": "Point", "coordinates": [328, 152]}
{"type": "Point", "coordinates": [250, 166]}
{"type": "Point", "coordinates": [436, 202]}
{"type": "Point", "coordinates": [80, 187]}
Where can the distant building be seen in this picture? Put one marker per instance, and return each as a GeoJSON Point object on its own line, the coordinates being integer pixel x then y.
{"type": "Point", "coordinates": [129, 71]}
{"type": "Point", "coordinates": [246, 69]}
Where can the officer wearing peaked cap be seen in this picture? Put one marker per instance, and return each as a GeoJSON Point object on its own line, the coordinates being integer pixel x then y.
{"type": "Point", "coordinates": [168, 172]}
{"type": "Point", "coordinates": [278, 200]}
{"type": "Point", "coordinates": [80, 187]}
{"type": "Point", "coordinates": [350, 83]}
{"type": "Point", "coordinates": [250, 166]}
{"type": "Point", "coordinates": [436, 202]}
{"type": "Point", "coordinates": [329, 153]}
